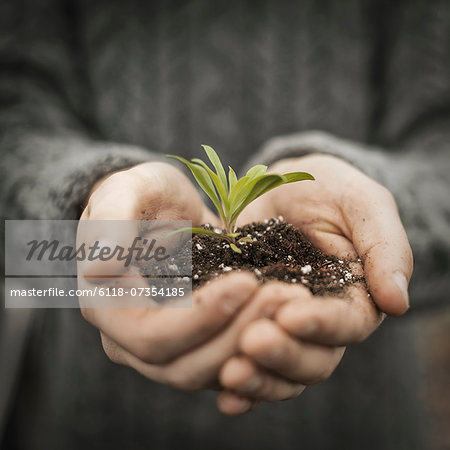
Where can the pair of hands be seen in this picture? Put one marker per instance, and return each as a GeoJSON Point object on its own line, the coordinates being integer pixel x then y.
{"type": "Point", "coordinates": [258, 343]}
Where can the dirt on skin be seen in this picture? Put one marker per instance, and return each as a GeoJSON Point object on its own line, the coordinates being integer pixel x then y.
{"type": "Point", "coordinates": [278, 251]}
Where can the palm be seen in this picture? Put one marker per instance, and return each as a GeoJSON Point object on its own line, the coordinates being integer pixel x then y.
{"type": "Point", "coordinates": [314, 207]}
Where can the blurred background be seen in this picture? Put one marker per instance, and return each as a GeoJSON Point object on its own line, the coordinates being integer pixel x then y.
{"type": "Point", "coordinates": [89, 87]}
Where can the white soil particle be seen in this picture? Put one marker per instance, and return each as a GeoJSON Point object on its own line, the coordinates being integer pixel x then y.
{"type": "Point", "coordinates": [199, 247]}
{"type": "Point", "coordinates": [227, 269]}
{"type": "Point", "coordinates": [266, 220]}
{"type": "Point", "coordinates": [289, 257]}
{"type": "Point", "coordinates": [257, 272]}
{"type": "Point", "coordinates": [173, 267]}
{"type": "Point", "coordinates": [280, 218]}
{"type": "Point", "coordinates": [341, 281]}
{"type": "Point", "coordinates": [294, 280]}
{"type": "Point", "coordinates": [340, 261]}
{"type": "Point", "coordinates": [195, 277]}
{"type": "Point", "coordinates": [226, 246]}
{"type": "Point", "coordinates": [348, 276]}
{"type": "Point", "coordinates": [217, 230]}
{"type": "Point", "coordinates": [306, 269]}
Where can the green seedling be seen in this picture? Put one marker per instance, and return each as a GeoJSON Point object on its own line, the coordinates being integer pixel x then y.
{"type": "Point", "coordinates": [231, 195]}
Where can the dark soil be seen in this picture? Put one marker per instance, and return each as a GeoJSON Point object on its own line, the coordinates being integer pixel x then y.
{"type": "Point", "coordinates": [278, 251]}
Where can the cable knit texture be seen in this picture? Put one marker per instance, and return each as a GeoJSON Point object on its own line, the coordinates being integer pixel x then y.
{"type": "Point", "coordinates": [88, 87]}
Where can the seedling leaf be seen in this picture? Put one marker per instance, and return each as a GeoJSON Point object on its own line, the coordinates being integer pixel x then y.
{"type": "Point", "coordinates": [292, 177]}
{"type": "Point", "coordinates": [232, 178]}
{"type": "Point", "coordinates": [235, 248]}
{"type": "Point", "coordinates": [230, 196]}
{"type": "Point", "coordinates": [253, 190]}
{"type": "Point", "coordinates": [204, 181]}
{"type": "Point", "coordinates": [215, 160]}
{"type": "Point", "coordinates": [256, 171]}
{"type": "Point", "coordinates": [221, 189]}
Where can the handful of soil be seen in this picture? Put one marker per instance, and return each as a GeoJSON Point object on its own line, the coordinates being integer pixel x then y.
{"type": "Point", "coordinates": [277, 251]}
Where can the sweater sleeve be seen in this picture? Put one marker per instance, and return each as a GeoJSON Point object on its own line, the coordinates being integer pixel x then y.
{"type": "Point", "coordinates": [51, 151]}
{"type": "Point", "coordinates": [412, 154]}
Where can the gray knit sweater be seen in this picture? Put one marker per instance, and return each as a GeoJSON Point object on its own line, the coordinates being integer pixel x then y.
{"type": "Point", "coordinates": [87, 87]}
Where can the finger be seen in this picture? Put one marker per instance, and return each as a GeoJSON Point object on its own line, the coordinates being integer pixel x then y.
{"type": "Point", "coordinates": [380, 240]}
{"type": "Point", "coordinates": [330, 241]}
{"type": "Point", "coordinates": [157, 336]}
{"type": "Point", "coordinates": [273, 348]}
{"type": "Point", "coordinates": [233, 404]}
{"type": "Point", "coordinates": [274, 293]}
{"type": "Point", "coordinates": [111, 212]}
{"type": "Point", "coordinates": [191, 379]}
{"type": "Point", "coordinates": [204, 361]}
{"type": "Point", "coordinates": [331, 320]}
{"type": "Point", "coordinates": [199, 366]}
{"type": "Point", "coordinates": [242, 376]}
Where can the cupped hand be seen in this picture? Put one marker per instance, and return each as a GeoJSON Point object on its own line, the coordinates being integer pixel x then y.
{"type": "Point", "coordinates": [151, 339]}
{"type": "Point", "coordinates": [180, 347]}
{"type": "Point", "coordinates": [344, 213]}
{"type": "Point", "coordinates": [347, 214]}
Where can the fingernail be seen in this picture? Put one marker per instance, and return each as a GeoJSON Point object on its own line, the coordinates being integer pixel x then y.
{"type": "Point", "coordinates": [402, 283]}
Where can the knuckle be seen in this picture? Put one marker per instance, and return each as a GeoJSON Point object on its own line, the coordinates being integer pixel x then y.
{"type": "Point", "coordinates": [320, 372]}
{"type": "Point", "coordinates": [298, 390]}
{"type": "Point", "coordinates": [85, 313]}
{"type": "Point", "coordinates": [149, 352]}
{"type": "Point", "coordinates": [322, 325]}
{"type": "Point", "coordinates": [386, 194]}
{"type": "Point", "coordinates": [149, 346]}
{"type": "Point", "coordinates": [272, 291]}
{"type": "Point", "coordinates": [112, 351]}
{"type": "Point", "coordinates": [318, 377]}
{"type": "Point", "coordinates": [121, 177]}
{"type": "Point", "coordinates": [361, 333]}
